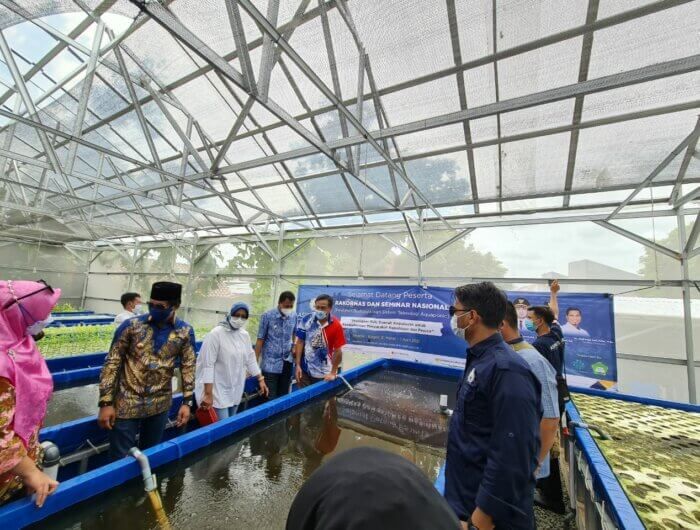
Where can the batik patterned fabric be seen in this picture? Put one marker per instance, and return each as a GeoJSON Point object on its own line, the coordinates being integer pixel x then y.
{"type": "Point", "coordinates": [12, 450]}
{"type": "Point", "coordinates": [140, 364]}
{"type": "Point", "coordinates": [320, 343]}
{"type": "Point", "coordinates": [277, 331]}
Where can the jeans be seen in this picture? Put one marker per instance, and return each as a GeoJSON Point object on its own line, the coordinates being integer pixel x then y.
{"type": "Point", "coordinates": [278, 384]}
{"type": "Point", "coordinates": [226, 412]}
{"type": "Point", "coordinates": [122, 437]}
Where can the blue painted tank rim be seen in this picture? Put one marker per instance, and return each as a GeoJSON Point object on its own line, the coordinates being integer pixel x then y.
{"type": "Point", "coordinates": [687, 407]}
{"type": "Point", "coordinates": [23, 512]}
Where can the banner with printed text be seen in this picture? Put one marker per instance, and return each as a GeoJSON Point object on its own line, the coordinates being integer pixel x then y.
{"type": "Point", "coordinates": [412, 323]}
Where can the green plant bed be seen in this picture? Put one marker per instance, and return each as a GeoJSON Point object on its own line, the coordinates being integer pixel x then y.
{"type": "Point", "coordinates": [80, 340]}
{"type": "Point", "coordinates": [655, 454]}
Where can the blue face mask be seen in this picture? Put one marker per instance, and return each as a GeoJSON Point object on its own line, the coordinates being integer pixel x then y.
{"type": "Point", "coordinates": [159, 315]}
{"type": "Point", "coordinates": [320, 315]}
{"type": "Point", "coordinates": [530, 325]}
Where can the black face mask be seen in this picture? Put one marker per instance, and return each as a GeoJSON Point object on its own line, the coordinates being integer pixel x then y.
{"type": "Point", "coordinates": [159, 314]}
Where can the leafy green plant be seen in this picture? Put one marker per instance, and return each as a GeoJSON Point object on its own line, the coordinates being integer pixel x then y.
{"type": "Point", "coordinates": [64, 307]}
{"type": "Point", "coordinates": [80, 340]}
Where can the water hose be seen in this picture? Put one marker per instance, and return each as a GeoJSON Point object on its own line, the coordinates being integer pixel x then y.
{"type": "Point", "coordinates": [150, 486]}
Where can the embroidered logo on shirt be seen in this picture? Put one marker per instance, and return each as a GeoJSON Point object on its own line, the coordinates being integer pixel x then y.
{"type": "Point", "coordinates": [471, 376]}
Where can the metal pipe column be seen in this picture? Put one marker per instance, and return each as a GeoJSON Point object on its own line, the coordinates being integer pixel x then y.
{"type": "Point", "coordinates": [687, 313]}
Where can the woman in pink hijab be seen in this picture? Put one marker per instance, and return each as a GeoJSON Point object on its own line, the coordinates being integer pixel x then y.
{"type": "Point", "coordinates": [25, 387]}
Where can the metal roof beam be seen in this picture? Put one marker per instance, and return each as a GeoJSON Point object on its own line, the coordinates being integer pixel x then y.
{"type": "Point", "coordinates": [137, 107]}
{"type": "Point", "coordinates": [330, 52]}
{"type": "Point", "coordinates": [640, 75]}
{"type": "Point", "coordinates": [600, 24]}
{"type": "Point", "coordinates": [586, 47]}
{"type": "Point", "coordinates": [316, 80]}
{"type": "Point", "coordinates": [678, 186]}
{"type": "Point", "coordinates": [692, 237]}
{"type": "Point", "coordinates": [608, 22]}
{"type": "Point", "coordinates": [267, 62]}
{"type": "Point", "coordinates": [84, 96]}
{"type": "Point", "coordinates": [658, 169]}
{"type": "Point", "coordinates": [175, 27]}
{"type": "Point", "coordinates": [380, 113]}
{"type": "Point", "coordinates": [232, 134]}
{"type": "Point", "coordinates": [688, 197]}
{"type": "Point", "coordinates": [28, 103]}
{"type": "Point", "coordinates": [459, 235]}
{"type": "Point", "coordinates": [639, 239]}
{"type": "Point", "coordinates": [58, 48]}
{"type": "Point", "coordinates": [234, 17]}
{"type": "Point", "coordinates": [457, 57]}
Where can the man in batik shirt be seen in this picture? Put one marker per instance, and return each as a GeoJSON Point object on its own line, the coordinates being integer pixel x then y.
{"type": "Point", "coordinates": [135, 384]}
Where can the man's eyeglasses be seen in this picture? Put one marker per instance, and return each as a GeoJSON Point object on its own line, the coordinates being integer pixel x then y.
{"type": "Point", "coordinates": [453, 310]}
{"type": "Point", "coordinates": [158, 305]}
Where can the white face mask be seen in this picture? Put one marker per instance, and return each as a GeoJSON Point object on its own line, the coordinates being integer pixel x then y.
{"type": "Point", "coordinates": [236, 322]}
{"type": "Point", "coordinates": [459, 332]}
{"type": "Point", "coordinates": [286, 311]}
{"type": "Point", "coordinates": [37, 327]}
{"type": "Point", "coordinates": [138, 309]}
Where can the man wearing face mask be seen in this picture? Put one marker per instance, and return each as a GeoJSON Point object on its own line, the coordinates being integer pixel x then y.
{"type": "Point", "coordinates": [493, 441]}
{"type": "Point", "coordinates": [318, 348]}
{"type": "Point", "coordinates": [226, 355]}
{"type": "Point", "coordinates": [136, 379]}
{"type": "Point", "coordinates": [550, 338]}
{"type": "Point", "coordinates": [274, 345]}
{"type": "Point", "coordinates": [131, 302]}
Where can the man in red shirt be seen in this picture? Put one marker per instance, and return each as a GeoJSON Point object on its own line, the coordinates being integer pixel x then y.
{"type": "Point", "coordinates": [318, 348]}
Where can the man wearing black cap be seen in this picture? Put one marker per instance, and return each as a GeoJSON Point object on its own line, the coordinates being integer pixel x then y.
{"type": "Point", "coordinates": [135, 384]}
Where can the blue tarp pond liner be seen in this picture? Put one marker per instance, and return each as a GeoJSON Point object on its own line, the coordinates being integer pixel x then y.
{"type": "Point", "coordinates": [96, 481]}
{"type": "Point", "coordinates": [79, 370]}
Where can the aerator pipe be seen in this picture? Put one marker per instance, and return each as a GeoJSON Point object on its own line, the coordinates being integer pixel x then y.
{"type": "Point", "coordinates": [345, 381]}
{"type": "Point", "coordinates": [591, 427]}
{"type": "Point", "coordinates": [149, 479]}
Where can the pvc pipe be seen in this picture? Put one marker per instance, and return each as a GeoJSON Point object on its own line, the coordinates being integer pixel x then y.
{"type": "Point", "coordinates": [345, 381]}
{"type": "Point", "coordinates": [149, 479]}
{"type": "Point", "coordinates": [52, 458]}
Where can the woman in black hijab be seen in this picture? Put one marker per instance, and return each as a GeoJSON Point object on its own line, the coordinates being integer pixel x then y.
{"type": "Point", "coordinates": [369, 489]}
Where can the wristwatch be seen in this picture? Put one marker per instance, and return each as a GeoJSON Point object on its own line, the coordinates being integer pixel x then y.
{"type": "Point", "coordinates": [189, 402]}
{"type": "Point", "coordinates": [105, 403]}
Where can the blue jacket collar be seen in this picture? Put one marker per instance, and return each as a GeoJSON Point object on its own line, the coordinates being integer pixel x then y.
{"type": "Point", "coordinates": [482, 347]}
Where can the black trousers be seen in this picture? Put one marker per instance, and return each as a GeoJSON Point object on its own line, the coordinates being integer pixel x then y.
{"type": "Point", "coordinates": [279, 384]}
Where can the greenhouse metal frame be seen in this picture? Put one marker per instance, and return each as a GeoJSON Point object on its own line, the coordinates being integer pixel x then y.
{"type": "Point", "coordinates": [131, 125]}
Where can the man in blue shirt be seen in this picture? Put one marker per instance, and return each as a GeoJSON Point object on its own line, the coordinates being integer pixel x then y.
{"type": "Point", "coordinates": [548, 477]}
{"type": "Point", "coordinates": [494, 441]}
{"type": "Point", "coordinates": [550, 339]}
{"type": "Point", "coordinates": [274, 345]}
